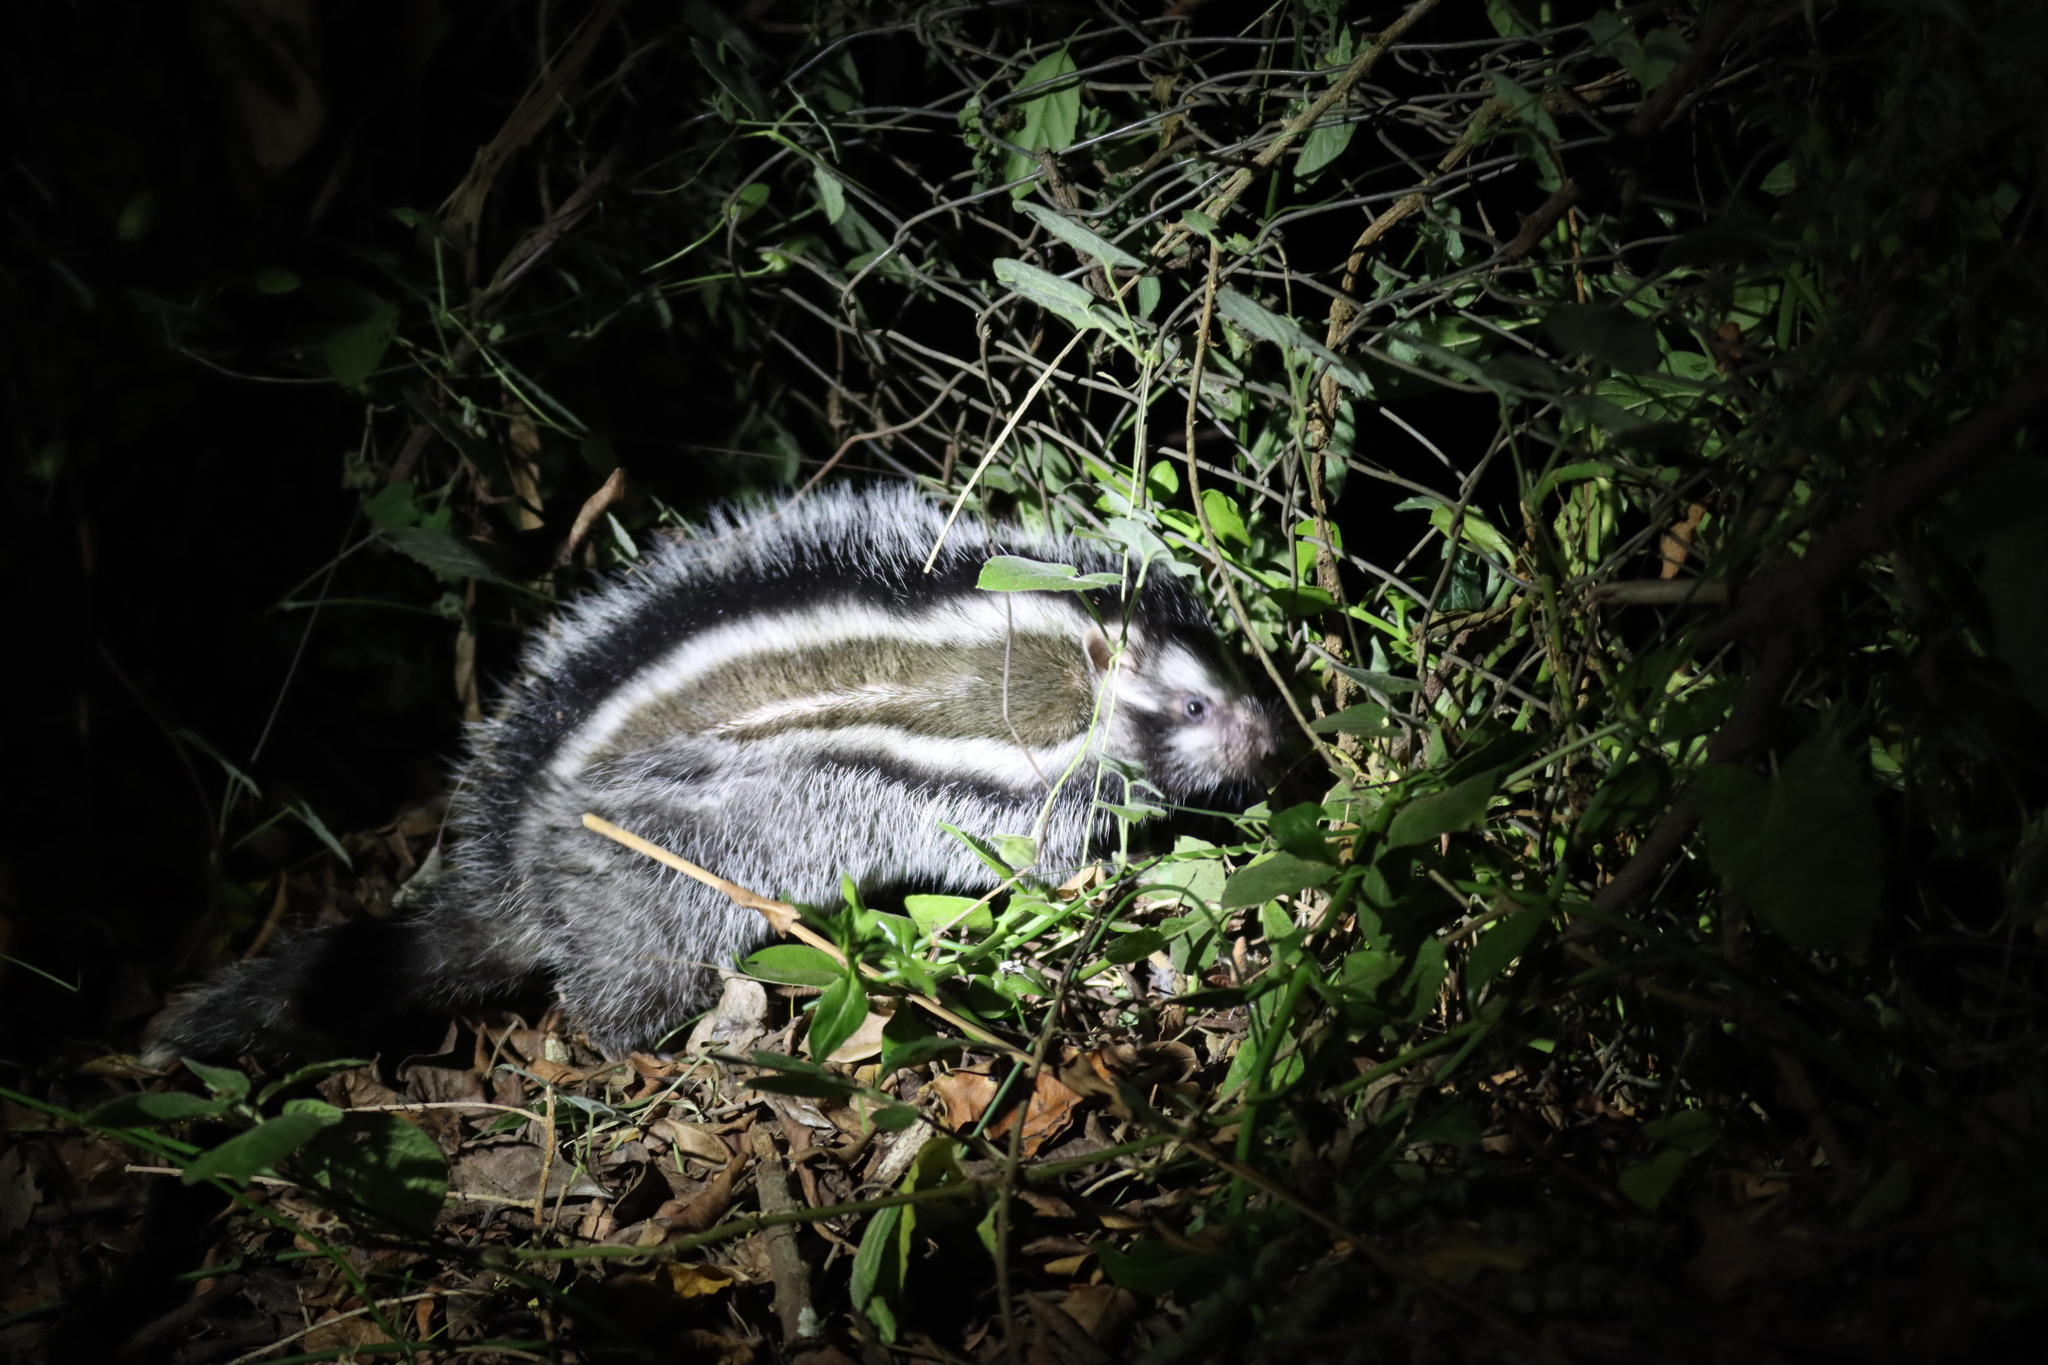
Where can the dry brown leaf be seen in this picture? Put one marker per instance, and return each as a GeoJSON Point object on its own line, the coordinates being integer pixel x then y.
{"type": "Point", "coordinates": [1068, 1265]}
{"type": "Point", "coordinates": [965, 1095]}
{"type": "Point", "coordinates": [1457, 1259]}
{"type": "Point", "coordinates": [332, 1331]}
{"type": "Point", "coordinates": [1733, 1253]}
{"type": "Point", "coordinates": [706, 1207]}
{"type": "Point", "coordinates": [710, 1348]}
{"type": "Point", "coordinates": [555, 1073]}
{"type": "Point", "coordinates": [1101, 1309]}
{"type": "Point", "coordinates": [692, 1140]}
{"type": "Point", "coordinates": [696, 1281]}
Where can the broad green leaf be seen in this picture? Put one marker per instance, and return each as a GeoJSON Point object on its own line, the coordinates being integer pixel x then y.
{"type": "Point", "coordinates": [248, 1154]}
{"type": "Point", "coordinates": [1525, 104]}
{"type": "Point", "coordinates": [1256, 320]}
{"type": "Point", "coordinates": [839, 1011]}
{"type": "Point", "coordinates": [1299, 830]}
{"type": "Point", "coordinates": [2015, 581]}
{"type": "Point", "coordinates": [793, 964]}
{"type": "Point", "coordinates": [1152, 1267]}
{"type": "Point", "coordinates": [1804, 851]}
{"type": "Point", "coordinates": [156, 1106]}
{"type": "Point", "coordinates": [1325, 143]}
{"type": "Point", "coordinates": [451, 559]}
{"type": "Point", "coordinates": [1609, 334]}
{"type": "Point", "coordinates": [1224, 518]}
{"type": "Point", "coordinates": [1779, 180]}
{"type": "Point", "coordinates": [831, 194]}
{"type": "Point", "coordinates": [933, 914]}
{"type": "Point", "coordinates": [878, 1268]}
{"type": "Point", "coordinates": [1050, 117]}
{"type": "Point", "coordinates": [1366, 720]}
{"type": "Point", "coordinates": [274, 280]}
{"type": "Point", "coordinates": [1082, 239]}
{"type": "Point", "coordinates": [393, 507]}
{"type": "Point", "coordinates": [1646, 1183]}
{"type": "Point", "coordinates": [1135, 946]}
{"type": "Point", "coordinates": [1061, 297]}
{"type": "Point", "coordinates": [221, 1080]}
{"type": "Point", "coordinates": [1281, 874]}
{"type": "Point", "coordinates": [380, 1165]}
{"type": "Point", "coordinates": [1502, 942]}
{"type": "Point", "coordinates": [1445, 812]}
{"type": "Point", "coordinates": [1886, 1196]}
{"type": "Point", "coordinates": [1014, 573]}
{"type": "Point", "coordinates": [1385, 683]}
{"type": "Point", "coordinates": [1689, 1130]}
{"type": "Point", "coordinates": [1453, 1127]}
{"type": "Point", "coordinates": [734, 79]}
{"type": "Point", "coordinates": [355, 351]}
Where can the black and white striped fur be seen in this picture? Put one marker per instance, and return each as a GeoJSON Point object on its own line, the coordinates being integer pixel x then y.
{"type": "Point", "coordinates": [785, 699]}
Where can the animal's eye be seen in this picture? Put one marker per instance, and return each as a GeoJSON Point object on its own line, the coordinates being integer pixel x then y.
{"type": "Point", "coordinates": [1195, 708]}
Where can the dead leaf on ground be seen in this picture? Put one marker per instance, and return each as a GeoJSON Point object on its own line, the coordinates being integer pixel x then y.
{"type": "Point", "coordinates": [696, 1281]}
{"type": "Point", "coordinates": [692, 1140]}
{"type": "Point", "coordinates": [1734, 1253]}
{"type": "Point", "coordinates": [1457, 1259]}
{"type": "Point", "coordinates": [1103, 1310]}
{"type": "Point", "coordinates": [332, 1331]}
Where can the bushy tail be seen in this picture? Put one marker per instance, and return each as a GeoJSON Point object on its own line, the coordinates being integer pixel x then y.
{"type": "Point", "coordinates": [333, 991]}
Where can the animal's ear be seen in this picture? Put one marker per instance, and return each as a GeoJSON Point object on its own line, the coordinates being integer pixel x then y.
{"type": "Point", "coordinates": [1102, 654]}
{"type": "Point", "coordinates": [1096, 646]}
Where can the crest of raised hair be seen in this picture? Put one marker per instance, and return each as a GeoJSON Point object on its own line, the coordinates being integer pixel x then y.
{"type": "Point", "coordinates": [784, 698]}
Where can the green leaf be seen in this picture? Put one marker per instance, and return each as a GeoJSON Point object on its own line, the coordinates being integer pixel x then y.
{"type": "Point", "coordinates": [262, 1147]}
{"type": "Point", "coordinates": [1804, 851]}
{"type": "Point", "coordinates": [1456, 1126]}
{"type": "Point", "coordinates": [1779, 180]}
{"type": "Point", "coordinates": [1886, 1196]}
{"type": "Point", "coordinates": [156, 1106]}
{"type": "Point", "coordinates": [933, 914]}
{"type": "Point", "coordinates": [393, 507]}
{"type": "Point", "coordinates": [1013, 573]}
{"type": "Point", "coordinates": [1152, 1267]}
{"type": "Point", "coordinates": [1280, 874]}
{"type": "Point", "coordinates": [136, 214]}
{"type": "Point", "coordinates": [794, 964]}
{"type": "Point", "coordinates": [879, 1266]}
{"type": "Point", "coordinates": [274, 280]}
{"type": "Point", "coordinates": [1299, 830]}
{"type": "Point", "coordinates": [1064, 298]}
{"type": "Point", "coordinates": [1525, 104]}
{"type": "Point", "coordinates": [2015, 582]}
{"type": "Point", "coordinates": [1325, 143]}
{"type": "Point", "coordinates": [1256, 320]}
{"type": "Point", "coordinates": [1050, 117]}
{"type": "Point", "coordinates": [1106, 252]}
{"type": "Point", "coordinates": [1609, 334]}
{"type": "Point", "coordinates": [1367, 720]}
{"type": "Point", "coordinates": [735, 80]}
{"type": "Point", "coordinates": [1224, 518]}
{"type": "Point", "coordinates": [355, 351]}
{"type": "Point", "coordinates": [1646, 1183]}
{"type": "Point", "coordinates": [1385, 683]}
{"type": "Point", "coordinates": [221, 1080]}
{"type": "Point", "coordinates": [1445, 812]}
{"type": "Point", "coordinates": [379, 1165]}
{"type": "Point", "coordinates": [1503, 941]}
{"type": "Point", "coordinates": [831, 194]}
{"type": "Point", "coordinates": [1689, 1130]}
{"type": "Point", "coordinates": [451, 560]}
{"type": "Point", "coordinates": [1135, 946]}
{"type": "Point", "coordinates": [839, 1011]}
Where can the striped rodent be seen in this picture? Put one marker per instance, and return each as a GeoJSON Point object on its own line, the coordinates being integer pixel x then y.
{"type": "Point", "coordinates": [784, 699]}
